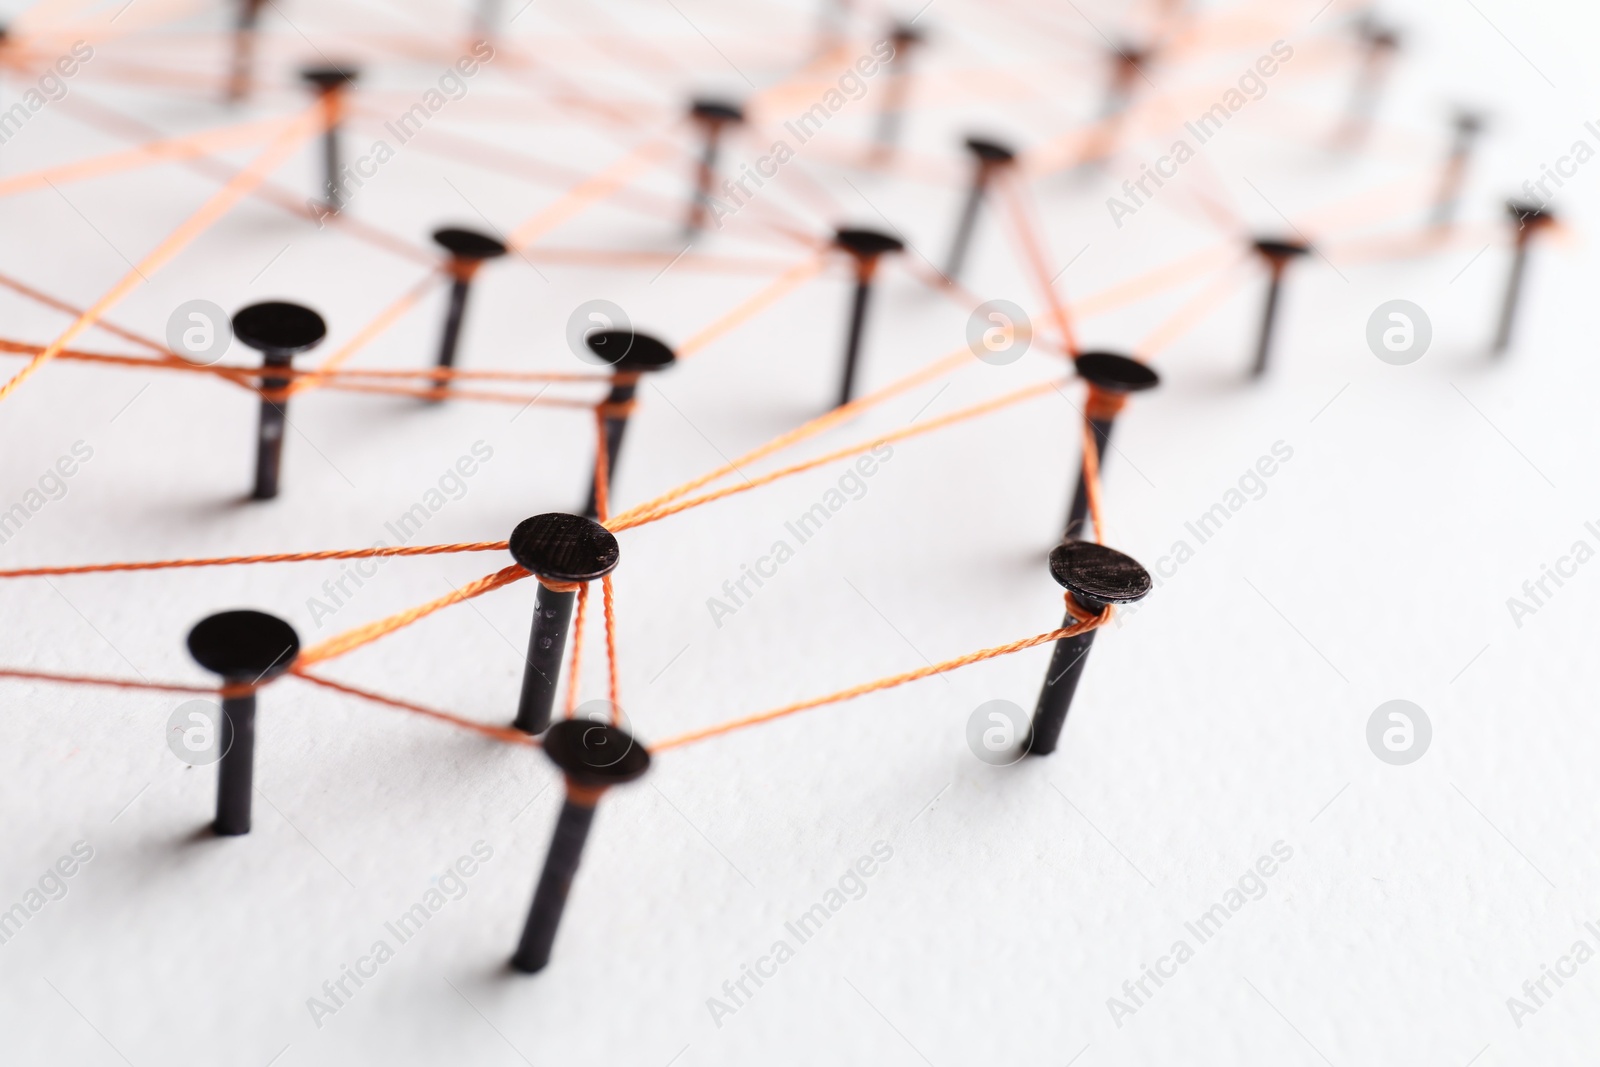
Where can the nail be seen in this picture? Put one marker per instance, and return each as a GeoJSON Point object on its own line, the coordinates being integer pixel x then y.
{"type": "Point", "coordinates": [330, 84]}
{"type": "Point", "coordinates": [563, 552]}
{"type": "Point", "coordinates": [988, 157]}
{"type": "Point", "coordinates": [244, 46]}
{"type": "Point", "coordinates": [467, 250]}
{"type": "Point", "coordinates": [903, 38]}
{"type": "Point", "coordinates": [1468, 125]}
{"type": "Point", "coordinates": [279, 332]}
{"type": "Point", "coordinates": [1379, 43]}
{"type": "Point", "coordinates": [712, 116]}
{"type": "Point", "coordinates": [630, 354]}
{"type": "Point", "coordinates": [247, 649]}
{"type": "Point", "coordinates": [1529, 221]}
{"type": "Point", "coordinates": [1111, 378]}
{"type": "Point", "coordinates": [1126, 63]}
{"type": "Point", "coordinates": [1094, 577]}
{"type": "Point", "coordinates": [865, 246]}
{"type": "Point", "coordinates": [1277, 255]}
{"type": "Point", "coordinates": [593, 756]}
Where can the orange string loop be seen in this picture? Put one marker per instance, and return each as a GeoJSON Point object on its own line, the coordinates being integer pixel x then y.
{"type": "Point", "coordinates": [1103, 405]}
{"type": "Point", "coordinates": [559, 587]}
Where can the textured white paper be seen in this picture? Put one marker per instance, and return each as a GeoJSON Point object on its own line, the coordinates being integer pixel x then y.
{"type": "Point", "coordinates": [1221, 721]}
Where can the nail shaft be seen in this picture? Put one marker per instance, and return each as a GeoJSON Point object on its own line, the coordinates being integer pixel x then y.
{"type": "Point", "coordinates": [547, 646]}
{"type": "Point", "coordinates": [244, 42]}
{"type": "Point", "coordinates": [623, 388]}
{"type": "Point", "coordinates": [1447, 200]}
{"type": "Point", "coordinates": [902, 38]}
{"type": "Point", "coordinates": [555, 882]}
{"type": "Point", "coordinates": [858, 318]}
{"type": "Point", "coordinates": [1508, 307]}
{"type": "Point", "coordinates": [269, 437]}
{"type": "Point", "coordinates": [1078, 516]}
{"type": "Point", "coordinates": [330, 156]}
{"type": "Point", "coordinates": [1269, 319]}
{"type": "Point", "coordinates": [705, 176]}
{"type": "Point", "coordinates": [236, 769]}
{"type": "Point", "coordinates": [969, 218]}
{"type": "Point", "coordinates": [459, 289]}
{"type": "Point", "coordinates": [1061, 682]}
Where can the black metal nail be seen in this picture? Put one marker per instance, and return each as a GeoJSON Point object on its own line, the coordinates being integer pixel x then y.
{"type": "Point", "coordinates": [593, 756]}
{"type": "Point", "coordinates": [1468, 125]}
{"type": "Point", "coordinates": [1110, 377]}
{"type": "Point", "coordinates": [1277, 254]}
{"type": "Point", "coordinates": [713, 117]}
{"type": "Point", "coordinates": [244, 45]}
{"type": "Point", "coordinates": [1529, 221]}
{"type": "Point", "coordinates": [279, 331]}
{"type": "Point", "coordinates": [988, 157]}
{"type": "Point", "coordinates": [865, 247]}
{"type": "Point", "coordinates": [1094, 576]}
{"type": "Point", "coordinates": [562, 551]}
{"type": "Point", "coordinates": [1127, 65]}
{"type": "Point", "coordinates": [330, 83]}
{"type": "Point", "coordinates": [468, 249]}
{"type": "Point", "coordinates": [1379, 43]}
{"type": "Point", "coordinates": [630, 355]}
{"type": "Point", "coordinates": [487, 19]}
{"type": "Point", "coordinates": [903, 37]}
{"type": "Point", "coordinates": [247, 649]}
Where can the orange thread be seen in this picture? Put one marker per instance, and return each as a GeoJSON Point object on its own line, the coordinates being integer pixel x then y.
{"type": "Point", "coordinates": [611, 647]}
{"type": "Point", "coordinates": [278, 557]}
{"type": "Point", "coordinates": [499, 733]}
{"type": "Point", "coordinates": [220, 203]}
{"type": "Point", "coordinates": [882, 683]}
{"type": "Point", "coordinates": [1010, 186]}
{"type": "Point", "coordinates": [175, 148]}
{"type": "Point", "coordinates": [602, 466]}
{"type": "Point", "coordinates": [1158, 280]}
{"type": "Point", "coordinates": [1103, 404]}
{"type": "Point", "coordinates": [60, 305]}
{"type": "Point", "coordinates": [351, 640]}
{"type": "Point", "coordinates": [559, 587]}
{"type": "Point", "coordinates": [384, 319]}
{"type": "Point", "coordinates": [1091, 478]}
{"type": "Point", "coordinates": [577, 649]}
{"type": "Point", "coordinates": [943, 365]}
{"type": "Point", "coordinates": [638, 518]}
{"type": "Point", "coordinates": [84, 679]}
{"type": "Point", "coordinates": [764, 298]}
{"type": "Point", "coordinates": [589, 191]}
{"type": "Point", "coordinates": [1191, 313]}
